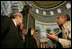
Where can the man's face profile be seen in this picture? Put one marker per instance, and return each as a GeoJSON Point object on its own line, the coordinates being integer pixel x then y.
{"type": "Point", "coordinates": [60, 20]}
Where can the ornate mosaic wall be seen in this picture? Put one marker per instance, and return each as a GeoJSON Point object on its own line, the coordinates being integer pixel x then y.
{"type": "Point", "coordinates": [43, 28]}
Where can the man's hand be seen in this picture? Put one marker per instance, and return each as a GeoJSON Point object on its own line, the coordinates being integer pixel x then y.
{"type": "Point", "coordinates": [53, 36]}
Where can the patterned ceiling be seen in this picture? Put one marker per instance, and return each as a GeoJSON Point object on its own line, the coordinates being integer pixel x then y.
{"type": "Point", "coordinates": [50, 14]}
{"type": "Point", "coordinates": [47, 4]}
{"type": "Point", "coordinates": [52, 9]}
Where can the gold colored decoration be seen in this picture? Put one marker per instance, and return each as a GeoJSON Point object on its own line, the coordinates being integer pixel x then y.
{"type": "Point", "coordinates": [47, 5]}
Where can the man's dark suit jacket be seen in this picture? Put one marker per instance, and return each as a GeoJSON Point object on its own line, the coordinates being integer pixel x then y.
{"type": "Point", "coordinates": [9, 34]}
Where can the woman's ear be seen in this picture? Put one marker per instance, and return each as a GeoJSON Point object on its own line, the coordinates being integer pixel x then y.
{"type": "Point", "coordinates": [32, 32]}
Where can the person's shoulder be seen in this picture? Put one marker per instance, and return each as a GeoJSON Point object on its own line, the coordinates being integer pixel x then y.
{"type": "Point", "coordinates": [5, 19]}
{"type": "Point", "coordinates": [68, 25]}
{"type": "Point", "coordinates": [69, 22]}
{"type": "Point", "coordinates": [3, 16]}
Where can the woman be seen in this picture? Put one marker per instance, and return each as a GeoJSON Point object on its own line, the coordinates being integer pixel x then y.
{"type": "Point", "coordinates": [30, 42]}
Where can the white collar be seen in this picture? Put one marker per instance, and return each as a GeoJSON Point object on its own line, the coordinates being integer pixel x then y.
{"type": "Point", "coordinates": [14, 22]}
{"type": "Point", "coordinates": [66, 23]}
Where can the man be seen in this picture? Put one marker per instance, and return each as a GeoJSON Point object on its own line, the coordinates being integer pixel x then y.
{"type": "Point", "coordinates": [65, 24]}
{"type": "Point", "coordinates": [9, 33]}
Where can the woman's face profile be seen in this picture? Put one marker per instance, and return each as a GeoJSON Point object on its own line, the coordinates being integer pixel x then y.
{"type": "Point", "coordinates": [32, 31]}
